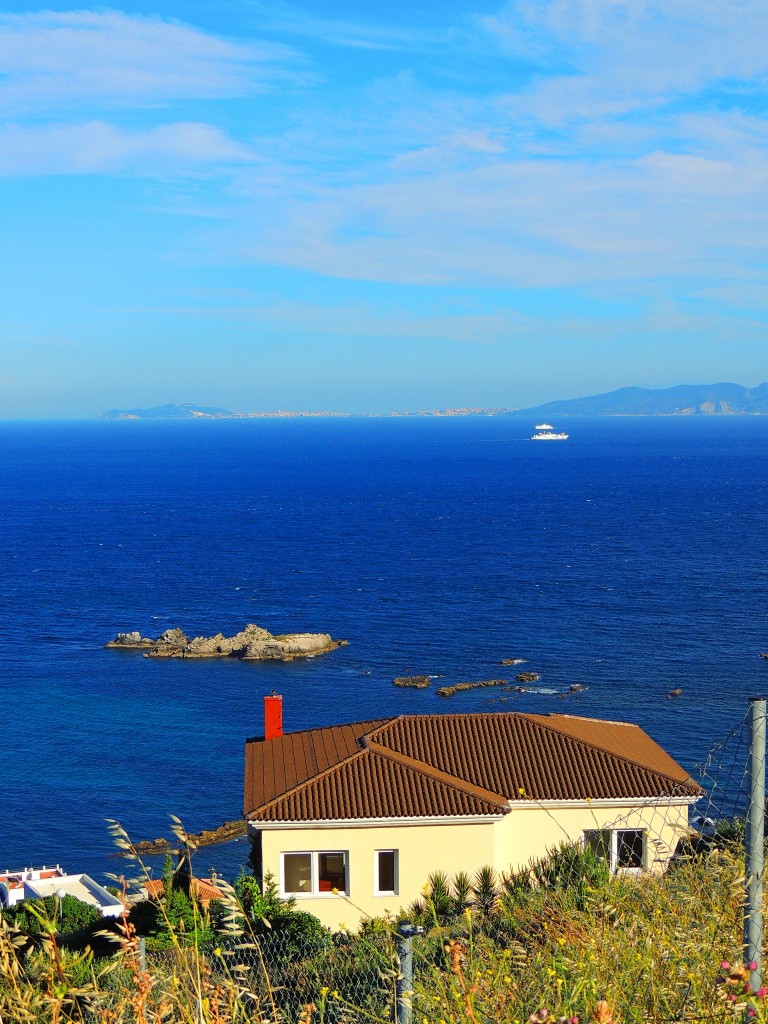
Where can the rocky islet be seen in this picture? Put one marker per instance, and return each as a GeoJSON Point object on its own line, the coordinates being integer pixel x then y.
{"type": "Point", "coordinates": [251, 644]}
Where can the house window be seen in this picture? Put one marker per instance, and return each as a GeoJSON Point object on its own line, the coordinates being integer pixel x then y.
{"type": "Point", "coordinates": [623, 848]}
{"type": "Point", "coordinates": [312, 874]}
{"type": "Point", "coordinates": [630, 847]}
{"type": "Point", "coordinates": [385, 881]}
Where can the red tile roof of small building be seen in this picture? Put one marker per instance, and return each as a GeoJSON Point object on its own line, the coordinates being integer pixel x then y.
{"type": "Point", "coordinates": [202, 889]}
{"type": "Point", "coordinates": [454, 766]}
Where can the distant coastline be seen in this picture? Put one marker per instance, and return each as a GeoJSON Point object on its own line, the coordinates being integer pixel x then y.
{"type": "Point", "coordinates": [683, 400]}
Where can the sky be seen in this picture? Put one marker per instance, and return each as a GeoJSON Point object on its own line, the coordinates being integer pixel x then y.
{"type": "Point", "coordinates": [368, 208]}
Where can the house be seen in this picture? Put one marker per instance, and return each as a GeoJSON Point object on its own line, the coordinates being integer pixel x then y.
{"type": "Point", "coordinates": [351, 819]}
{"type": "Point", "coordinates": [37, 883]}
{"type": "Point", "coordinates": [202, 889]}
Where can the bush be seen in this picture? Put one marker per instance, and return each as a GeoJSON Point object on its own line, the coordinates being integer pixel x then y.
{"type": "Point", "coordinates": [70, 915]}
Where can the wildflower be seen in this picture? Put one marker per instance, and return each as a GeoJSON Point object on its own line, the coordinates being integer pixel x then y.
{"type": "Point", "coordinates": [602, 1012]}
{"type": "Point", "coordinates": [724, 965]}
{"type": "Point", "coordinates": [739, 972]}
{"type": "Point", "coordinates": [752, 965]}
{"type": "Point", "coordinates": [762, 992]}
{"type": "Point", "coordinates": [324, 990]}
{"type": "Point", "coordinates": [539, 1016]}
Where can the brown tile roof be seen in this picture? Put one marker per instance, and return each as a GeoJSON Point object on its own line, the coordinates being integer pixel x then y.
{"type": "Point", "coordinates": [273, 767]}
{"type": "Point", "coordinates": [369, 785]}
{"type": "Point", "coordinates": [447, 765]}
{"type": "Point", "coordinates": [203, 890]}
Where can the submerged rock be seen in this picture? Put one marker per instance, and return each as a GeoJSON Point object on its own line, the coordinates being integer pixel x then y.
{"type": "Point", "coordinates": [527, 677]}
{"type": "Point", "coordinates": [251, 644]}
{"type": "Point", "coordinates": [448, 691]}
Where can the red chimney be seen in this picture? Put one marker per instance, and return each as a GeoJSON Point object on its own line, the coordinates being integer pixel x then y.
{"type": "Point", "coordinates": [273, 716]}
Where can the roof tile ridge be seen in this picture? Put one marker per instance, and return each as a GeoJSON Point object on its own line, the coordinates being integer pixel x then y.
{"type": "Point", "coordinates": [355, 755]}
{"type": "Point", "coordinates": [434, 773]}
{"type": "Point", "coordinates": [385, 724]}
{"type": "Point", "coordinates": [323, 728]}
{"type": "Point", "coordinates": [539, 720]}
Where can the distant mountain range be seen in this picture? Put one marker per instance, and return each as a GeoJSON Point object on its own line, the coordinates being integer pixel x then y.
{"type": "Point", "coordinates": [683, 400]}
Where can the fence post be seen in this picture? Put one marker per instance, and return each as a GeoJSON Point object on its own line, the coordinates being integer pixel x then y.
{"type": "Point", "coordinates": [404, 984]}
{"type": "Point", "coordinates": [141, 953]}
{"type": "Point", "coordinates": [755, 841]}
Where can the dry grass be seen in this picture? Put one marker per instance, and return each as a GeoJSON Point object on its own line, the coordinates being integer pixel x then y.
{"type": "Point", "coordinates": [625, 951]}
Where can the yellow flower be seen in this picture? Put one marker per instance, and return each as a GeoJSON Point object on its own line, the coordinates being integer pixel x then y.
{"type": "Point", "coordinates": [324, 990]}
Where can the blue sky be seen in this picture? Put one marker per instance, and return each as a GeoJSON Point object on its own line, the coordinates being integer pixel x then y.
{"type": "Point", "coordinates": [337, 207]}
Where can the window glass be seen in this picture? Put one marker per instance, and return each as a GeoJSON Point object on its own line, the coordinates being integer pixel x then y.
{"type": "Point", "coordinates": [297, 872]}
{"type": "Point", "coordinates": [629, 848]}
{"type": "Point", "coordinates": [599, 842]}
{"type": "Point", "coordinates": [332, 871]}
{"type": "Point", "coordinates": [387, 871]}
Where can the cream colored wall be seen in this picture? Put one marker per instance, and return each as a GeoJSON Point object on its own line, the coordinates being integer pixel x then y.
{"type": "Point", "coordinates": [527, 833]}
{"type": "Point", "coordinates": [530, 830]}
{"type": "Point", "coordinates": [422, 849]}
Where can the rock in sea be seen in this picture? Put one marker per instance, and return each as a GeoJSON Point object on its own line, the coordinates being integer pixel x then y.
{"type": "Point", "coordinates": [251, 644]}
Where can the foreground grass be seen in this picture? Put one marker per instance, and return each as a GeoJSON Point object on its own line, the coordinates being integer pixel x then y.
{"type": "Point", "coordinates": [623, 950]}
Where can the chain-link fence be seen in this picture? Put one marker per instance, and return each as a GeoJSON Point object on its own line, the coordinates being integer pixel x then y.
{"type": "Point", "coordinates": [352, 977]}
{"type": "Point", "coordinates": [645, 907]}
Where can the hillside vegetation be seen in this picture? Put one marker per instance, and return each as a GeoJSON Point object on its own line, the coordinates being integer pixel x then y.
{"type": "Point", "coordinates": [561, 942]}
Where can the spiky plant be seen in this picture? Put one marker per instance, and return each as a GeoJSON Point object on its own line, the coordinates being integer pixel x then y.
{"type": "Point", "coordinates": [461, 895]}
{"type": "Point", "coordinates": [486, 891]}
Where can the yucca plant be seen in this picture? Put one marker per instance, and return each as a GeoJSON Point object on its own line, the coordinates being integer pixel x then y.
{"type": "Point", "coordinates": [461, 894]}
{"type": "Point", "coordinates": [486, 891]}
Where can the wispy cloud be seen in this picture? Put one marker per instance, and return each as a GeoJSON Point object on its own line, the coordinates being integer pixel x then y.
{"type": "Point", "coordinates": [368, 34]}
{"type": "Point", "coordinates": [107, 58]}
{"type": "Point", "coordinates": [100, 148]}
{"type": "Point", "coordinates": [625, 55]}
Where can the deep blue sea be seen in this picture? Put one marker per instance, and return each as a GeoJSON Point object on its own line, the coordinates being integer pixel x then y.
{"type": "Point", "coordinates": [632, 558]}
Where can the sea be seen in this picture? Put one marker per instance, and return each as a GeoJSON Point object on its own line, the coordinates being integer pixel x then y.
{"type": "Point", "coordinates": [631, 559]}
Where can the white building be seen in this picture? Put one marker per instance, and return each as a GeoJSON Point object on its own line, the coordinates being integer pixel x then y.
{"type": "Point", "coordinates": [37, 883]}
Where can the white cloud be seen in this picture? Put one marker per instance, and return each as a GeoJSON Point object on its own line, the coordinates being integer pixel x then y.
{"type": "Point", "coordinates": [531, 222]}
{"type": "Point", "coordinates": [365, 35]}
{"type": "Point", "coordinates": [624, 55]}
{"type": "Point", "coordinates": [107, 58]}
{"type": "Point", "coordinates": [99, 148]}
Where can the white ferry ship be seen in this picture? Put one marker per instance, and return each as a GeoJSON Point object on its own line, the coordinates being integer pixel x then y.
{"type": "Point", "coordinates": [546, 432]}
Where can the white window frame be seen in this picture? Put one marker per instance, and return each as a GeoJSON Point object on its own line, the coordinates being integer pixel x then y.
{"type": "Point", "coordinates": [314, 892]}
{"type": "Point", "coordinates": [377, 890]}
{"type": "Point", "coordinates": [613, 833]}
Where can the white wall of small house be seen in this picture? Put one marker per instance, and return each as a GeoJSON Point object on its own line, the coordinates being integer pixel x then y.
{"type": "Point", "coordinates": [527, 833]}
{"type": "Point", "coordinates": [531, 830]}
{"type": "Point", "coordinates": [421, 849]}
